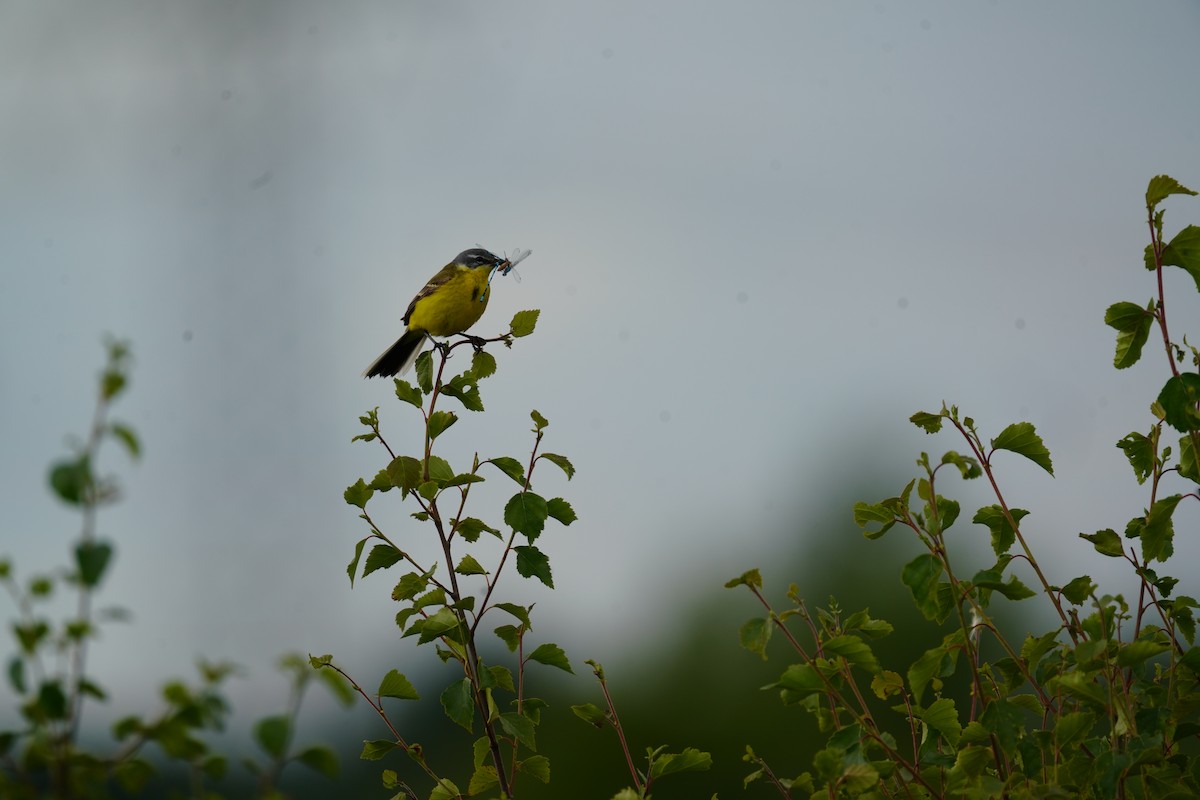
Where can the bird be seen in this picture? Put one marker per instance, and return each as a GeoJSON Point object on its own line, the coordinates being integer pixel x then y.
{"type": "Point", "coordinates": [451, 302]}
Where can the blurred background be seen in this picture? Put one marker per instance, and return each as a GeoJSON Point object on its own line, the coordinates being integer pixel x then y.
{"type": "Point", "coordinates": [763, 235]}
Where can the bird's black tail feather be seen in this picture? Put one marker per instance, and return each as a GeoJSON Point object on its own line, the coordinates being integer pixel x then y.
{"type": "Point", "coordinates": [399, 358]}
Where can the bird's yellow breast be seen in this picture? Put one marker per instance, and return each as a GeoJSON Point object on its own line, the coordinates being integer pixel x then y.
{"type": "Point", "coordinates": [455, 305]}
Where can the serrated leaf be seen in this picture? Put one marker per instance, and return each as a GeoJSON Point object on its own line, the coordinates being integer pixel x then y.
{"type": "Point", "coordinates": [526, 513]}
{"type": "Point", "coordinates": [561, 510]}
{"type": "Point", "coordinates": [510, 635]}
{"type": "Point", "coordinates": [690, 760]}
{"type": "Point", "coordinates": [922, 577]}
{"type": "Point", "coordinates": [483, 364]}
{"type": "Point", "coordinates": [443, 623]}
{"type": "Point", "coordinates": [1158, 535]}
{"type": "Point", "coordinates": [1139, 451]}
{"type": "Point", "coordinates": [520, 612]}
{"type": "Point", "coordinates": [439, 421]}
{"type": "Point", "coordinates": [469, 528]}
{"type": "Point", "coordinates": [381, 556]}
{"type": "Point", "coordinates": [755, 634]}
{"type": "Point", "coordinates": [483, 779]}
{"type": "Point", "coordinates": [1178, 400]}
{"type": "Point", "coordinates": [1022, 438]}
{"type": "Point", "coordinates": [1161, 187]}
{"type": "Point", "coordinates": [590, 714]}
{"type": "Point", "coordinates": [1132, 323]}
{"type": "Point", "coordinates": [866, 515]}
{"type": "Point", "coordinates": [408, 393]}
{"type": "Point", "coordinates": [750, 578]}
{"type": "Point", "coordinates": [854, 650]}
{"type": "Point", "coordinates": [930, 423]}
{"type": "Point", "coordinates": [552, 656]}
{"type": "Point", "coordinates": [1106, 542]}
{"type": "Point", "coordinates": [425, 371]}
{"type": "Point", "coordinates": [1003, 533]}
{"type": "Point", "coordinates": [440, 470]}
{"type": "Point", "coordinates": [465, 389]}
{"type": "Point", "coordinates": [539, 422]}
{"type": "Point", "coordinates": [1184, 251]}
{"type": "Point", "coordinates": [1072, 728]}
{"type": "Point", "coordinates": [445, 790]}
{"type": "Point", "coordinates": [510, 467]}
{"type": "Point", "coordinates": [1079, 589]}
{"type": "Point", "coordinates": [358, 494]}
{"type": "Point", "coordinates": [537, 766]}
{"type": "Point", "coordinates": [410, 585]}
{"type": "Point", "coordinates": [469, 566]}
{"type": "Point", "coordinates": [272, 734]}
{"type": "Point", "coordinates": [396, 685]}
{"type": "Point", "coordinates": [520, 726]}
{"type": "Point", "coordinates": [562, 461]}
{"type": "Point", "coordinates": [1138, 651]}
{"type": "Point", "coordinates": [405, 473]}
{"type": "Point", "coordinates": [1187, 459]}
{"type": "Point", "coordinates": [533, 563]}
{"type": "Point", "coordinates": [459, 704]}
{"type": "Point", "coordinates": [887, 683]}
{"type": "Point", "coordinates": [377, 749]}
{"type": "Point", "coordinates": [523, 322]}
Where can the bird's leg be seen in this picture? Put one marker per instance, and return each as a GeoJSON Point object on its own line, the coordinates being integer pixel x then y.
{"type": "Point", "coordinates": [476, 341]}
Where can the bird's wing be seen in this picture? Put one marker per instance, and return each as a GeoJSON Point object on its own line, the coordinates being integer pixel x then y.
{"type": "Point", "coordinates": [445, 274]}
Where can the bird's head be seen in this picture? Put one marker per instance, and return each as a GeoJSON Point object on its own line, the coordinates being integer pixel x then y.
{"type": "Point", "coordinates": [478, 258]}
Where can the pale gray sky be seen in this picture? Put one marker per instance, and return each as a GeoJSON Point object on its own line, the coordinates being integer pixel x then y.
{"type": "Point", "coordinates": [761, 232]}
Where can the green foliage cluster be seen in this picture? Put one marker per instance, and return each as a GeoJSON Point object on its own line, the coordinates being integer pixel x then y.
{"type": "Point", "coordinates": [43, 757]}
{"type": "Point", "coordinates": [443, 603]}
{"type": "Point", "coordinates": [1105, 704]}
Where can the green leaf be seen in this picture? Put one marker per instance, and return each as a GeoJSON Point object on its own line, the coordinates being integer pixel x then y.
{"type": "Point", "coordinates": [1132, 323]}
{"type": "Point", "coordinates": [272, 734]}
{"type": "Point", "coordinates": [539, 422]}
{"type": "Point", "coordinates": [755, 634]}
{"type": "Point", "coordinates": [537, 766]}
{"type": "Point", "coordinates": [993, 580]}
{"type": "Point", "coordinates": [1139, 451]}
{"type": "Point", "coordinates": [520, 612]}
{"type": "Point", "coordinates": [887, 683]}
{"type": "Point", "coordinates": [405, 473]}
{"type": "Point", "coordinates": [358, 494]}
{"type": "Point", "coordinates": [1184, 251]}
{"type": "Point", "coordinates": [1034, 648]}
{"type": "Point", "coordinates": [854, 650]}
{"type": "Point", "coordinates": [750, 578]}
{"type": "Point", "coordinates": [1107, 542]}
{"type": "Point", "coordinates": [465, 389]}
{"type": "Point", "coordinates": [425, 371]}
{"type": "Point", "coordinates": [1136, 652]}
{"type": "Point", "coordinates": [532, 563]}
{"type": "Point", "coordinates": [590, 714]}
{"type": "Point", "coordinates": [469, 566]}
{"type": "Point", "coordinates": [394, 684]}
{"type": "Point", "coordinates": [92, 559]}
{"type": "Point", "coordinates": [381, 556]}
{"type": "Point", "coordinates": [561, 510]}
{"type": "Point", "coordinates": [1003, 533]}
{"type": "Point", "coordinates": [1021, 438]}
{"type": "Point", "coordinates": [411, 584]}
{"type": "Point", "coordinates": [16, 674]}
{"type": "Point", "coordinates": [1161, 187]}
{"type": "Point", "coordinates": [443, 623]}
{"type": "Point", "coordinates": [523, 323]}
{"type": "Point", "coordinates": [320, 759]}
{"type": "Point", "coordinates": [459, 704]}
{"type": "Point", "coordinates": [469, 528]}
{"type": "Point", "coordinates": [483, 364]}
{"type": "Point", "coordinates": [942, 716]}
{"type": "Point", "coordinates": [377, 749]}
{"type": "Point", "coordinates": [483, 779]}
{"type": "Point", "coordinates": [801, 679]}
{"type": "Point", "coordinates": [71, 480]}
{"type": "Point", "coordinates": [445, 790]}
{"type": "Point", "coordinates": [690, 760]}
{"type": "Point", "coordinates": [552, 656]}
{"type": "Point", "coordinates": [1071, 728]}
{"type": "Point", "coordinates": [519, 726]}
{"type": "Point", "coordinates": [930, 423]}
{"type": "Point", "coordinates": [526, 513]}
{"type": "Point", "coordinates": [562, 461]}
{"type": "Point", "coordinates": [921, 576]}
{"type": "Point", "coordinates": [440, 470]}
{"type": "Point", "coordinates": [125, 435]}
{"type": "Point", "coordinates": [408, 393]}
{"type": "Point", "coordinates": [1159, 532]}
{"type": "Point", "coordinates": [510, 467]}
{"type": "Point", "coordinates": [1178, 399]}
{"type": "Point", "coordinates": [1080, 589]}
{"type": "Point", "coordinates": [440, 421]}
{"type": "Point", "coordinates": [510, 635]}
{"type": "Point", "coordinates": [867, 515]}
{"type": "Point", "coordinates": [1187, 459]}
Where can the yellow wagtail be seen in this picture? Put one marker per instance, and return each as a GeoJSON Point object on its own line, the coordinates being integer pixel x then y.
{"type": "Point", "coordinates": [452, 301]}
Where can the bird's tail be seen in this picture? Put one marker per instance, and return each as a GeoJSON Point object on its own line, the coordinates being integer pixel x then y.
{"type": "Point", "coordinates": [399, 358]}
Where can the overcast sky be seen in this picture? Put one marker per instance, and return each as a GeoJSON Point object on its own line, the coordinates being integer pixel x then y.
{"type": "Point", "coordinates": [764, 234]}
